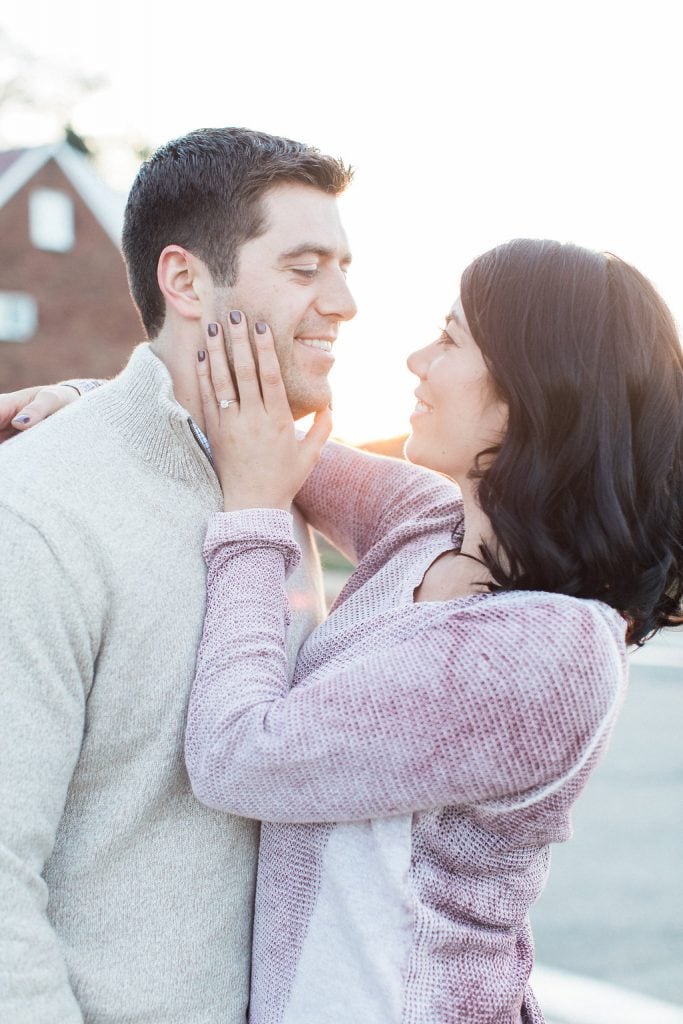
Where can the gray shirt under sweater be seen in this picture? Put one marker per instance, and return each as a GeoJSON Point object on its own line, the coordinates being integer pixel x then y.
{"type": "Point", "coordinates": [123, 899]}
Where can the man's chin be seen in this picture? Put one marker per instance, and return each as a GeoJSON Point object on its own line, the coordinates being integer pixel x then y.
{"type": "Point", "coordinates": [306, 405]}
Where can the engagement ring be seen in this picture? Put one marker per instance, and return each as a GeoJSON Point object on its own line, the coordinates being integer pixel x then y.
{"type": "Point", "coordinates": [225, 402]}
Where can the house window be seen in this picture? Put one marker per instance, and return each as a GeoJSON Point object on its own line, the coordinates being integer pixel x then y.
{"type": "Point", "coordinates": [51, 220]}
{"type": "Point", "coordinates": [18, 316]}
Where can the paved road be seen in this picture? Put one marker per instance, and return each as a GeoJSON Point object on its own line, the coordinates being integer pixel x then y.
{"type": "Point", "coordinates": [613, 908]}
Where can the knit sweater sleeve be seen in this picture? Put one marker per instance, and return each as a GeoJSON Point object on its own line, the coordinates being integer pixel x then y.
{"type": "Point", "coordinates": [354, 497]}
{"type": "Point", "coordinates": [500, 701]}
{"type": "Point", "coordinates": [44, 659]}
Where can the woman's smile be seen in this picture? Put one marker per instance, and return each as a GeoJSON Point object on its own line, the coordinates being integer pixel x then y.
{"type": "Point", "coordinates": [421, 407]}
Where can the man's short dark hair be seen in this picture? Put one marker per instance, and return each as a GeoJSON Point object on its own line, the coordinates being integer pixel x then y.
{"type": "Point", "coordinates": [203, 192]}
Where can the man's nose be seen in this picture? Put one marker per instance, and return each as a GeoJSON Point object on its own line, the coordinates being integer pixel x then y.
{"type": "Point", "coordinates": [336, 299]}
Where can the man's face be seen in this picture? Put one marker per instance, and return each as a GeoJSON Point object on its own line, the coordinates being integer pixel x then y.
{"type": "Point", "coordinates": [294, 277]}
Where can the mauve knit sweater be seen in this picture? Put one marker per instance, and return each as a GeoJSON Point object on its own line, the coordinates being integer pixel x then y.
{"type": "Point", "coordinates": [412, 778]}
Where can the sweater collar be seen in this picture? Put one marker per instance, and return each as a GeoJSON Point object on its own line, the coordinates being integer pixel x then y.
{"type": "Point", "coordinates": [140, 405]}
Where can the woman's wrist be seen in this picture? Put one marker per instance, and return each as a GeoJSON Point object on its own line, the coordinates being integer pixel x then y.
{"type": "Point", "coordinates": [233, 504]}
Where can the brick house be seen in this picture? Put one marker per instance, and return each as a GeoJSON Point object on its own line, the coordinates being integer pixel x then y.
{"type": "Point", "coordinates": [65, 309]}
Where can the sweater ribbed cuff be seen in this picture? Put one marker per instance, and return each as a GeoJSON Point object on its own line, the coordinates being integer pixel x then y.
{"type": "Point", "coordinates": [253, 528]}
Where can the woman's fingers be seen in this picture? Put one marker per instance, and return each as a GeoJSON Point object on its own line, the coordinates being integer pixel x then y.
{"type": "Point", "coordinates": [258, 383]}
{"type": "Point", "coordinates": [246, 375]}
{"type": "Point", "coordinates": [214, 379]}
{"type": "Point", "coordinates": [206, 392]}
{"type": "Point", "coordinates": [20, 410]}
{"type": "Point", "coordinates": [220, 375]}
{"type": "Point", "coordinates": [270, 375]}
{"type": "Point", "coordinates": [316, 437]}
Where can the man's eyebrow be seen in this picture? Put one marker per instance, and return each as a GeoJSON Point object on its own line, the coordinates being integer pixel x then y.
{"type": "Point", "coordinates": [314, 249]}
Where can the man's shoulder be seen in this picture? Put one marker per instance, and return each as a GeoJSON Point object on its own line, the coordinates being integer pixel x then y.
{"type": "Point", "coordinates": [67, 441]}
{"type": "Point", "coordinates": [65, 469]}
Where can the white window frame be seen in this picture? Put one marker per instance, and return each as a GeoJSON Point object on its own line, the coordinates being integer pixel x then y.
{"type": "Point", "coordinates": [18, 316]}
{"type": "Point", "coordinates": [51, 220]}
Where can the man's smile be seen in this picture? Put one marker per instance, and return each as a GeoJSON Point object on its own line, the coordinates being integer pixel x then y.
{"type": "Point", "coordinates": [320, 344]}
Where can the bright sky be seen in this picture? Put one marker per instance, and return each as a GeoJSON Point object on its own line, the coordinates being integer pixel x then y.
{"type": "Point", "coordinates": [468, 123]}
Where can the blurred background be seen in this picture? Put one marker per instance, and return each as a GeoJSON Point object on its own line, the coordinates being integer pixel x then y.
{"type": "Point", "coordinates": [468, 124]}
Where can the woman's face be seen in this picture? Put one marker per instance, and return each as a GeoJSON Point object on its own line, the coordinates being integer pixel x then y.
{"type": "Point", "coordinates": [458, 413]}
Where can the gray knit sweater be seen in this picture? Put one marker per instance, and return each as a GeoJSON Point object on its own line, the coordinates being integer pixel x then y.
{"type": "Point", "coordinates": [123, 899]}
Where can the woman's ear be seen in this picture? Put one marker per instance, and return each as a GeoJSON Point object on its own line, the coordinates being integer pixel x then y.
{"type": "Point", "coordinates": [181, 278]}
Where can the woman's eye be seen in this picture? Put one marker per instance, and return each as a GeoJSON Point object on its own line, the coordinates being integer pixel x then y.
{"type": "Point", "coordinates": [445, 338]}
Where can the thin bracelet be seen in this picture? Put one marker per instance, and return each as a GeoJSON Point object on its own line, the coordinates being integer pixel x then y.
{"type": "Point", "coordinates": [81, 386]}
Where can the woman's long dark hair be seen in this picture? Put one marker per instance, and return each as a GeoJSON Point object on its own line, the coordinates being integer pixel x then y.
{"type": "Point", "coordinates": [585, 493]}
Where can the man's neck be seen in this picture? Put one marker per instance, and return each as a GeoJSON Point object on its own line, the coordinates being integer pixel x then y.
{"type": "Point", "coordinates": [180, 361]}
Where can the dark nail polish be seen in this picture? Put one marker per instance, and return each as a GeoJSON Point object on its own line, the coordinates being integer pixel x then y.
{"type": "Point", "coordinates": [260, 327]}
{"type": "Point", "coordinates": [201, 355]}
{"type": "Point", "coordinates": [213, 330]}
{"type": "Point", "coordinates": [21, 419]}
{"type": "Point", "coordinates": [235, 317]}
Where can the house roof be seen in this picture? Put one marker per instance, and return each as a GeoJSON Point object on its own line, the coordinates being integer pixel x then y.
{"type": "Point", "coordinates": [17, 166]}
{"type": "Point", "coordinates": [8, 157]}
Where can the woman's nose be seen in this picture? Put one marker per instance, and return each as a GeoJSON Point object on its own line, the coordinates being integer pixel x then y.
{"type": "Point", "coordinates": [418, 362]}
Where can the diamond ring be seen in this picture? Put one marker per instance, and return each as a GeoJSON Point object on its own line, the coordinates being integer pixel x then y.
{"type": "Point", "coordinates": [225, 402]}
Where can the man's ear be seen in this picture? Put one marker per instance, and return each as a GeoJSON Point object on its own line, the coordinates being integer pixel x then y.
{"type": "Point", "coordinates": [182, 279]}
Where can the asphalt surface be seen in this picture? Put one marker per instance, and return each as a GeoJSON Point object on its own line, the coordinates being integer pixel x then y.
{"type": "Point", "coordinates": [613, 907]}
